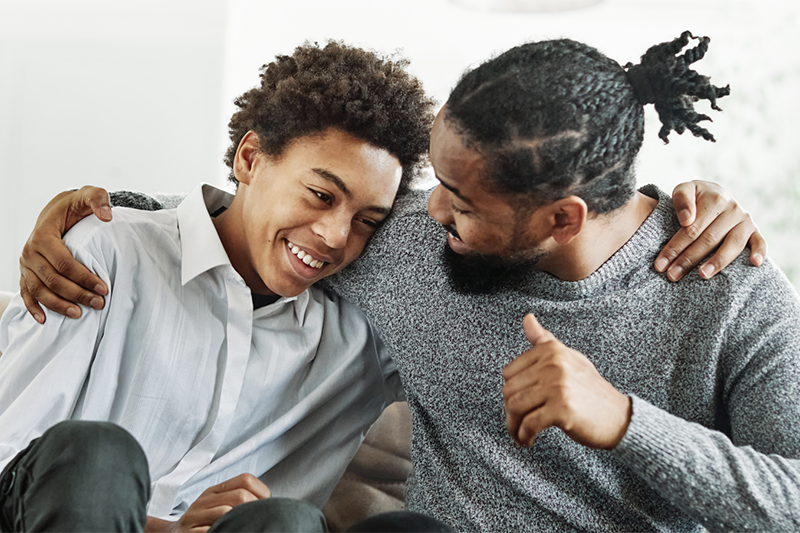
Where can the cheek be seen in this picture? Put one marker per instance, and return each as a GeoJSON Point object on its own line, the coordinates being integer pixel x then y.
{"type": "Point", "coordinates": [479, 237]}
{"type": "Point", "coordinates": [355, 246]}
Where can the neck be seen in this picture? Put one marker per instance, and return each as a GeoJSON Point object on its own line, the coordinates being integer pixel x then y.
{"type": "Point", "coordinates": [229, 227]}
{"type": "Point", "coordinates": [599, 239]}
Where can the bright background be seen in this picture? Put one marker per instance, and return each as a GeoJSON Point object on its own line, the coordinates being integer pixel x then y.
{"type": "Point", "coordinates": [137, 94]}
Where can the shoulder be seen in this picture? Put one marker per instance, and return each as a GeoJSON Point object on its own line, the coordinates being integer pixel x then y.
{"type": "Point", "coordinates": [128, 232]}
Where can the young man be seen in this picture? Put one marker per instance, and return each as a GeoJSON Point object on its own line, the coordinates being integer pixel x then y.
{"type": "Point", "coordinates": [691, 387]}
{"type": "Point", "coordinates": [215, 359]}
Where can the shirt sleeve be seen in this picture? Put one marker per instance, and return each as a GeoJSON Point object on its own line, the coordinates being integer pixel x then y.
{"type": "Point", "coordinates": [43, 367]}
{"type": "Point", "coordinates": [744, 475]}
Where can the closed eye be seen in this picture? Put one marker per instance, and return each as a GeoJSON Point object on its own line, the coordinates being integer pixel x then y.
{"type": "Point", "coordinates": [459, 211]}
{"type": "Point", "coordinates": [370, 223]}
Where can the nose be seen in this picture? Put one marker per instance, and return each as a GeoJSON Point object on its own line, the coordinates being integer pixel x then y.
{"type": "Point", "coordinates": [439, 208]}
{"type": "Point", "coordinates": [334, 228]}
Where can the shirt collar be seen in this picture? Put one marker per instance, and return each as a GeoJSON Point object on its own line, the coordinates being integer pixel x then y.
{"type": "Point", "coordinates": [201, 248]}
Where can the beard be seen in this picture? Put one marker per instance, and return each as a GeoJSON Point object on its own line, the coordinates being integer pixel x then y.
{"type": "Point", "coordinates": [478, 274]}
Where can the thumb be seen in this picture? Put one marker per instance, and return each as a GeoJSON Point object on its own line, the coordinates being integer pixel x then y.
{"type": "Point", "coordinates": [98, 200]}
{"type": "Point", "coordinates": [534, 331]}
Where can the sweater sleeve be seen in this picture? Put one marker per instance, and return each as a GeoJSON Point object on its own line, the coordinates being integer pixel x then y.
{"type": "Point", "coordinates": [743, 475]}
{"type": "Point", "coordinates": [145, 202]}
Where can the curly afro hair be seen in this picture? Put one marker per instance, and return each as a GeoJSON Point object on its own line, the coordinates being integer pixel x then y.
{"type": "Point", "coordinates": [337, 86]}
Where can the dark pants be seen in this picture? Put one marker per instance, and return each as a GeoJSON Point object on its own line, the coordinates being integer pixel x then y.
{"type": "Point", "coordinates": [93, 476]}
{"type": "Point", "coordinates": [78, 476]}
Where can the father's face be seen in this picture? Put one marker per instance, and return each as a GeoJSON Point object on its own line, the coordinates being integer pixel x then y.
{"type": "Point", "coordinates": [480, 225]}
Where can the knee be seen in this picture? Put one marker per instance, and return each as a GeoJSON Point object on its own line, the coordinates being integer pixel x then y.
{"type": "Point", "coordinates": [82, 472]}
{"type": "Point", "coordinates": [92, 450]}
{"type": "Point", "coordinates": [272, 514]}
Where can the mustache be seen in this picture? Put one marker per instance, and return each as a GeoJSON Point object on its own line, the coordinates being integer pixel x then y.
{"type": "Point", "coordinates": [452, 229]}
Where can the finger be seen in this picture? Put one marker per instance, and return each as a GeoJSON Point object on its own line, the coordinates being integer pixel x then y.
{"type": "Point", "coordinates": [38, 270]}
{"type": "Point", "coordinates": [35, 290]}
{"type": "Point", "coordinates": [524, 361]}
{"type": "Point", "coordinates": [30, 302]}
{"type": "Point", "coordinates": [680, 242]}
{"type": "Point", "coordinates": [733, 245]}
{"type": "Point", "coordinates": [518, 406]}
{"type": "Point", "coordinates": [97, 200]}
{"type": "Point", "coordinates": [534, 331]}
{"type": "Point", "coordinates": [708, 240]}
{"type": "Point", "coordinates": [520, 381]}
{"type": "Point", "coordinates": [534, 423]}
{"type": "Point", "coordinates": [246, 481]}
{"type": "Point", "coordinates": [201, 519]}
{"type": "Point", "coordinates": [50, 249]}
{"type": "Point", "coordinates": [684, 200]}
{"type": "Point", "coordinates": [758, 249]}
{"type": "Point", "coordinates": [532, 357]}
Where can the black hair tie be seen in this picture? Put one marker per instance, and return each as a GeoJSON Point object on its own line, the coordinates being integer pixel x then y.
{"type": "Point", "coordinates": [639, 78]}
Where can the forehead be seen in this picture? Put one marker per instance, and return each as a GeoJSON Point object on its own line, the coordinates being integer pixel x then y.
{"type": "Point", "coordinates": [347, 162]}
{"type": "Point", "coordinates": [458, 167]}
{"type": "Point", "coordinates": [449, 153]}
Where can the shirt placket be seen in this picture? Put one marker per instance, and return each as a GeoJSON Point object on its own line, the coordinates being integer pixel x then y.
{"type": "Point", "coordinates": [238, 341]}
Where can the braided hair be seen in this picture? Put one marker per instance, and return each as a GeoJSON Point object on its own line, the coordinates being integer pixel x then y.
{"type": "Point", "coordinates": [558, 118]}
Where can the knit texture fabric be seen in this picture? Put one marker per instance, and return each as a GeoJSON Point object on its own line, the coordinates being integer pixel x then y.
{"type": "Point", "coordinates": [713, 367]}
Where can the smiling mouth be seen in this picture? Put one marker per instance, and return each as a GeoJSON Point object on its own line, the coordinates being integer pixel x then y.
{"type": "Point", "coordinates": [305, 257]}
{"type": "Point", "coordinates": [453, 232]}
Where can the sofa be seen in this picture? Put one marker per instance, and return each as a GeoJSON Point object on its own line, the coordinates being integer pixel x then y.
{"type": "Point", "coordinates": [374, 482]}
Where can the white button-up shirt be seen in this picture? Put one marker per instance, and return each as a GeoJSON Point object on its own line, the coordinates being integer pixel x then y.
{"type": "Point", "coordinates": [208, 386]}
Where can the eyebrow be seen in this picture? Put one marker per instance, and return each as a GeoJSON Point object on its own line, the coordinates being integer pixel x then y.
{"type": "Point", "coordinates": [336, 180]}
{"type": "Point", "coordinates": [333, 178]}
{"type": "Point", "coordinates": [455, 191]}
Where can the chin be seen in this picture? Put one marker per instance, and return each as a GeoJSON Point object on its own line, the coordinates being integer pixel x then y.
{"type": "Point", "coordinates": [475, 273]}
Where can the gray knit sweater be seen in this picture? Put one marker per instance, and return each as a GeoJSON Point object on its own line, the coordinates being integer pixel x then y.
{"type": "Point", "coordinates": [713, 368]}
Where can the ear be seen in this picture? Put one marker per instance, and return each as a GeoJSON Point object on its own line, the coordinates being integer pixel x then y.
{"type": "Point", "coordinates": [568, 216]}
{"type": "Point", "coordinates": [245, 158]}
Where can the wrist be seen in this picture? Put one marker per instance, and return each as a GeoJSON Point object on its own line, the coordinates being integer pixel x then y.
{"type": "Point", "coordinates": [624, 414]}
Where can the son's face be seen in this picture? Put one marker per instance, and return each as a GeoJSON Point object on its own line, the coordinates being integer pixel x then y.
{"type": "Point", "coordinates": [310, 212]}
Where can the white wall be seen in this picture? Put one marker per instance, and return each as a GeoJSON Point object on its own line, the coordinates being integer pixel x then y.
{"type": "Point", "coordinates": [110, 93]}
{"type": "Point", "coordinates": [137, 94]}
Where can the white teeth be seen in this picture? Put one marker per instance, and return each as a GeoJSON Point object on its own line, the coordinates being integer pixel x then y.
{"type": "Point", "coordinates": [304, 257]}
{"type": "Point", "coordinates": [453, 236]}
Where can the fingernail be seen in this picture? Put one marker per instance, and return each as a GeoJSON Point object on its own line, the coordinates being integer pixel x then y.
{"type": "Point", "coordinates": [105, 212]}
{"type": "Point", "coordinates": [38, 318]}
{"type": "Point", "coordinates": [73, 312]}
{"type": "Point", "coordinates": [759, 258]}
{"type": "Point", "coordinates": [99, 289]}
{"type": "Point", "coordinates": [707, 271]}
{"type": "Point", "coordinates": [683, 216]}
{"type": "Point", "coordinates": [675, 272]}
{"type": "Point", "coordinates": [661, 264]}
{"type": "Point", "coordinates": [96, 303]}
